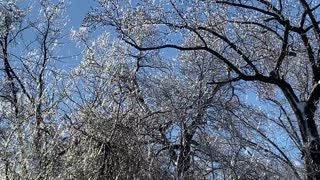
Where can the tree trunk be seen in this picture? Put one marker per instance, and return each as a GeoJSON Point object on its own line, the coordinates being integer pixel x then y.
{"type": "Point", "coordinates": [304, 112]}
{"type": "Point", "coordinates": [312, 158]}
{"type": "Point", "coordinates": [312, 144]}
{"type": "Point", "coordinates": [183, 163]}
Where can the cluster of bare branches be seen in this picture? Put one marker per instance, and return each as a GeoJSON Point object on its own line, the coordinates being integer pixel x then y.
{"type": "Point", "coordinates": [199, 89]}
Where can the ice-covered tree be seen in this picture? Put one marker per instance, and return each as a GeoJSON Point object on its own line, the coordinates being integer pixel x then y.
{"type": "Point", "coordinates": [30, 96]}
{"type": "Point", "coordinates": [271, 45]}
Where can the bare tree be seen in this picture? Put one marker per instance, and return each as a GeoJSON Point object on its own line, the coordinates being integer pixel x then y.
{"type": "Point", "coordinates": [30, 94]}
{"type": "Point", "coordinates": [273, 44]}
{"type": "Point", "coordinates": [193, 89]}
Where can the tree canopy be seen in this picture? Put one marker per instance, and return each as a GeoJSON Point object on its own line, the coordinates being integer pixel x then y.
{"type": "Point", "coordinates": [166, 89]}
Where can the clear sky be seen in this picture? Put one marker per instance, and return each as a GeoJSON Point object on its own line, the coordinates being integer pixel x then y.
{"type": "Point", "coordinates": [77, 10]}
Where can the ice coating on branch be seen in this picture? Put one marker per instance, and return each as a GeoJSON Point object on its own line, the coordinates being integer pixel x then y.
{"type": "Point", "coordinates": [301, 106]}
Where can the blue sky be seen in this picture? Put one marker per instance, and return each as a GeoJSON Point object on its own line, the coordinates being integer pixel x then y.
{"type": "Point", "coordinates": [77, 10]}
